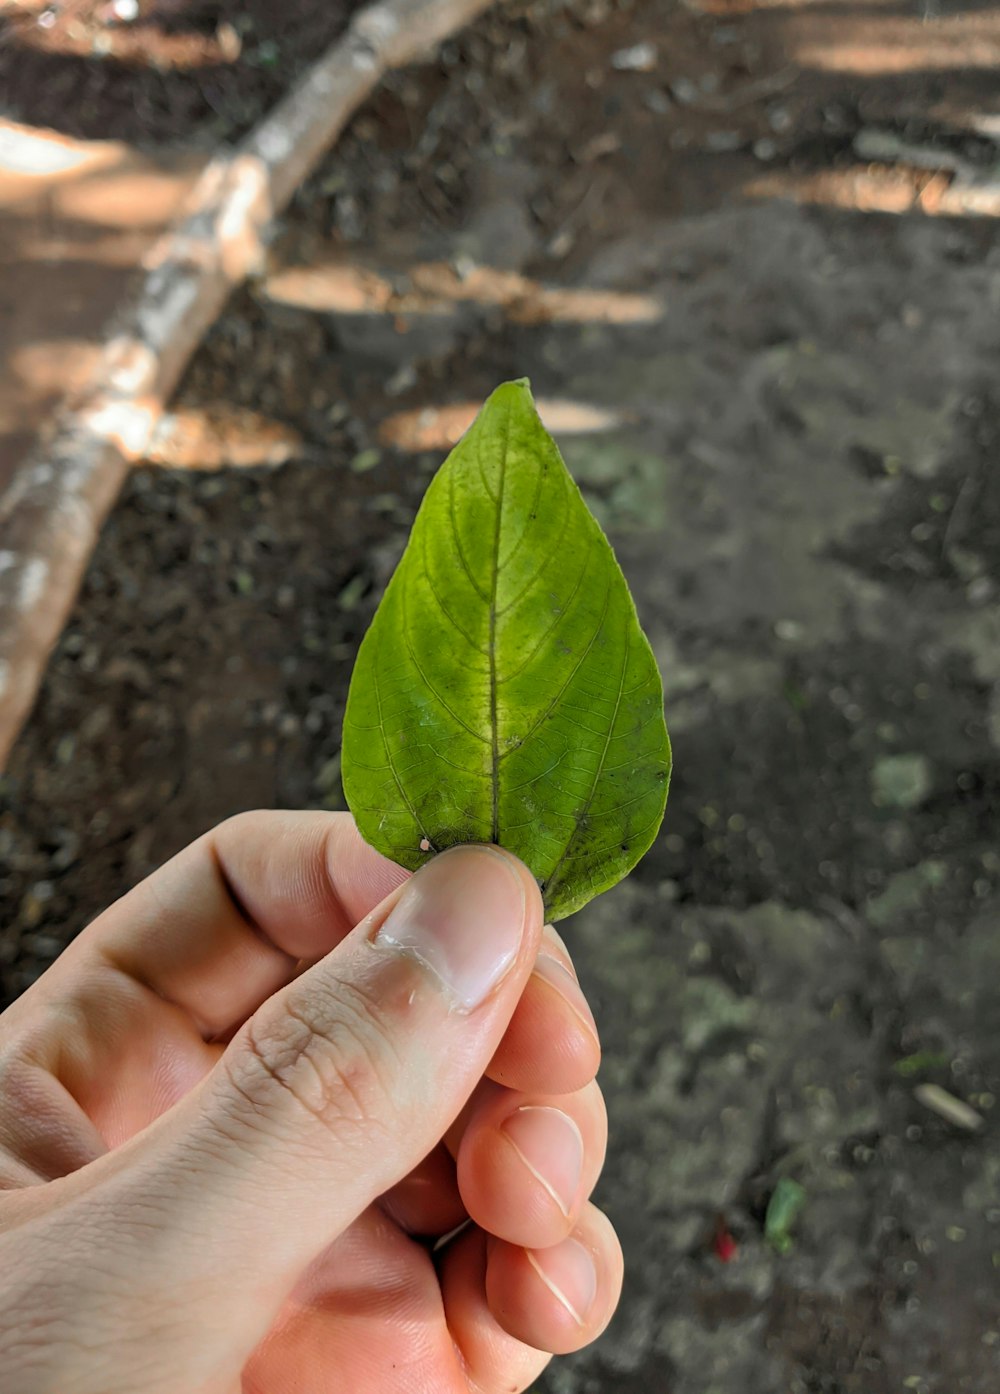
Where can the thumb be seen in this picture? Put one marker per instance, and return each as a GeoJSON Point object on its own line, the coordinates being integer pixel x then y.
{"type": "Point", "coordinates": [343, 1081]}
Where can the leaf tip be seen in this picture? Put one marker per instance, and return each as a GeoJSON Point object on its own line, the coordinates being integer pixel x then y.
{"type": "Point", "coordinates": [516, 390]}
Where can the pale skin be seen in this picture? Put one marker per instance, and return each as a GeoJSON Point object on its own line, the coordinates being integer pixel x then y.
{"type": "Point", "coordinates": [238, 1111]}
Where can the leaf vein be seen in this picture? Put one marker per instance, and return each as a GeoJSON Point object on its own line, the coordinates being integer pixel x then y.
{"type": "Point", "coordinates": [388, 753]}
{"type": "Point", "coordinates": [462, 769]}
{"type": "Point", "coordinates": [482, 473]}
{"type": "Point", "coordinates": [443, 608]}
{"type": "Point", "coordinates": [553, 553]}
{"type": "Point", "coordinates": [458, 539]}
{"type": "Point", "coordinates": [432, 689]}
{"type": "Point", "coordinates": [539, 476]}
{"type": "Point", "coordinates": [542, 774]}
{"type": "Point", "coordinates": [558, 697]}
{"type": "Point", "coordinates": [585, 809]}
{"type": "Point", "coordinates": [509, 677]}
{"type": "Point", "coordinates": [610, 846]}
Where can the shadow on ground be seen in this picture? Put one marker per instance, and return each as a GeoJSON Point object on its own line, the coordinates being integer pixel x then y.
{"type": "Point", "coordinates": [786, 414]}
{"type": "Point", "coordinates": [158, 73]}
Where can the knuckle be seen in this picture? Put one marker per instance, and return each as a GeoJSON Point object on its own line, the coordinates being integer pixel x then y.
{"type": "Point", "coordinates": [231, 829]}
{"type": "Point", "coordinates": [326, 1055]}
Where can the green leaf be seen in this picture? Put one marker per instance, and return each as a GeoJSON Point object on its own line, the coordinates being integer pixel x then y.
{"type": "Point", "coordinates": [505, 691]}
{"type": "Point", "coordinates": [783, 1209]}
{"type": "Point", "coordinates": [922, 1063]}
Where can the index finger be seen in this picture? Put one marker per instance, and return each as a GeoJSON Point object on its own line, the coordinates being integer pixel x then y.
{"type": "Point", "coordinates": [227, 922]}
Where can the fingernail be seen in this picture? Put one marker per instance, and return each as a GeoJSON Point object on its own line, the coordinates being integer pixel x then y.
{"type": "Point", "coordinates": [462, 917]}
{"type": "Point", "coordinates": [551, 1147]}
{"type": "Point", "coordinates": [568, 1271]}
{"type": "Point", "coordinates": [551, 971]}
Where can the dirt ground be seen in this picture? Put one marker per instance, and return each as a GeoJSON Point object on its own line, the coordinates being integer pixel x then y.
{"type": "Point", "coordinates": [157, 73]}
{"type": "Point", "coordinates": [741, 251]}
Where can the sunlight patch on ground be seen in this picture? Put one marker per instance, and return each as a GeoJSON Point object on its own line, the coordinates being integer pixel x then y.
{"type": "Point", "coordinates": [435, 288]}
{"type": "Point", "coordinates": [439, 428]}
{"type": "Point", "coordinates": [887, 189]}
{"type": "Point", "coordinates": [119, 249]}
{"type": "Point", "coordinates": [221, 436]}
{"type": "Point", "coordinates": [132, 196]}
{"type": "Point", "coordinates": [25, 150]}
{"type": "Point", "coordinates": [885, 44]}
{"type": "Point", "coordinates": [46, 365]}
{"type": "Point", "coordinates": [184, 50]}
{"type": "Point", "coordinates": [48, 177]}
{"type": "Point", "coordinates": [745, 7]}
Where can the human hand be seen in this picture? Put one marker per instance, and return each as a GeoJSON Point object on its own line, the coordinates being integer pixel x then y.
{"type": "Point", "coordinates": [235, 1109]}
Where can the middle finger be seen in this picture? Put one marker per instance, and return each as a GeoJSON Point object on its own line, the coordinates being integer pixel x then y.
{"type": "Point", "coordinates": [551, 1043]}
{"type": "Point", "coordinates": [527, 1163]}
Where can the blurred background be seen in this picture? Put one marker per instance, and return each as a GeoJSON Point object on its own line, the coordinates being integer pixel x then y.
{"type": "Point", "coordinates": [747, 251]}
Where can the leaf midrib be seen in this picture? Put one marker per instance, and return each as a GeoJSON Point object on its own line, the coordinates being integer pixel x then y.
{"type": "Point", "coordinates": [492, 646]}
